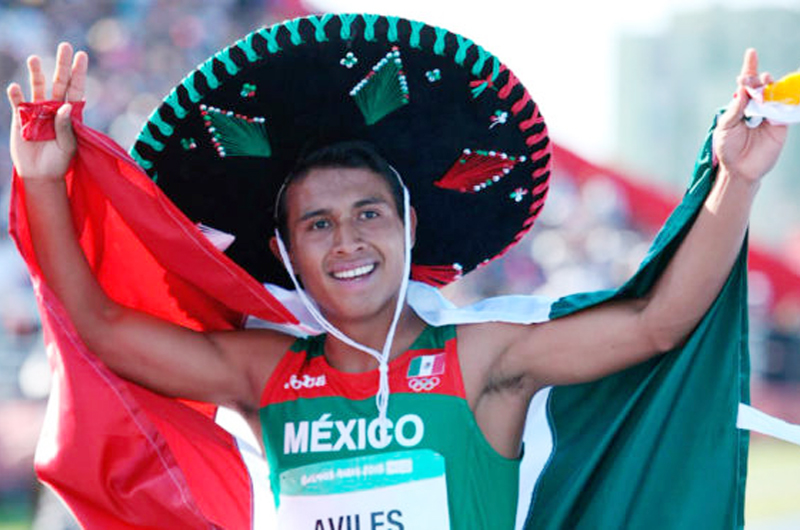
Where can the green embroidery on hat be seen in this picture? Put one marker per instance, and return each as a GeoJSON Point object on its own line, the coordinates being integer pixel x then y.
{"type": "Point", "coordinates": [391, 34]}
{"type": "Point", "coordinates": [224, 56]}
{"type": "Point", "coordinates": [188, 84]}
{"type": "Point", "coordinates": [463, 46]}
{"type": "Point", "coordinates": [349, 60]}
{"type": "Point", "coordinates": [439, 45]}
{"type": "Point", "coordinates": [478, 89]}
{"type": "Point", "coordinates": [346, 20]}
{"type": "Point", "coordinates": [384, 90]}
{"type": "Point", "coordinates": [271, 36]}
{"type": "Point", "coordinates": [175, 105]}
{"type": "Point", "coordinates": [294, 31]}
{"type": "Point", "coordinates": [145, 164]}
{"type": "Point", "coordinates": [416, 28]}
{"type": "Point", "coordinates": [248, 90]}
{"type": "Point", "coordinates": [518, 194]}
{"type": "Point", "coordinates": [483, 55]}
{"type": "Point", "coordinates": [369, 28]}
{"type": "Point", "coordinates": [495, 68]}
{"type": "Point", "coordinates": [500, 117]}
{"type": "Point", "coordinates": [433, 75]}
{"type": "Point", "coordinates": [147, 137]}
{"type": "Point", "coordinates": [188, 144]}
{"type": "Point", "coordinates": [207, 69]}
{"type": "Point", "coordinates": [319, 26]}
{"type": "Point", "coordinates": [246, 45]}
{"type": "Point", "coordinates": [163, 127]}
{"type": "Point", "coordinates": [381, 92]}
{"type": "Point", "coordinates": [235, 134]}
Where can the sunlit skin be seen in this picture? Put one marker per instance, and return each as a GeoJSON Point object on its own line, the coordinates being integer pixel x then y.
{"type": "Point", "coordinates": [346, 246]}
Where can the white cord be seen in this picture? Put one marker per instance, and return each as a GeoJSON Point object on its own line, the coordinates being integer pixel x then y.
{"type": "Point", "coordinates": [382, 397]}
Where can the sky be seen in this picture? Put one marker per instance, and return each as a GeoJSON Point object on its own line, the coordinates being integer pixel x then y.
{"type": "Point", "coordinates": [563, 51]}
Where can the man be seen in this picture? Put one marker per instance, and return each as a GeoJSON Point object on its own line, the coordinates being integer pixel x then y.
{"type": "Point", "coordinates": [346, 242]}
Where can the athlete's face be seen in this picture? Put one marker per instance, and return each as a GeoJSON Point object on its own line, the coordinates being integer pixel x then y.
{"type": "Point", "coordinates": [346, 241]}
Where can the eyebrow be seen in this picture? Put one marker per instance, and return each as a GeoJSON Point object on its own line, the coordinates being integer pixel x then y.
{"type": "Point", "coordinates": [358, 204]}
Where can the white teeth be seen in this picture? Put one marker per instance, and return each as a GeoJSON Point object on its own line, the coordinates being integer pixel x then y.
{"type": "Point", "coordinates": [354, 273]}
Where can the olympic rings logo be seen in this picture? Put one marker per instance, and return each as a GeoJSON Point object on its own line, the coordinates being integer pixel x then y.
{"type": "Point", "coordinates": [422, 384]}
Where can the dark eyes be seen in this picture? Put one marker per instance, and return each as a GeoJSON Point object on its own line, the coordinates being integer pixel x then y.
{"type": "Point", "coordinates": [368, 214]}
{"type": "Point", "coordinates": [325, 223]}
{"type": "Point", "coordinates": [320, 224]}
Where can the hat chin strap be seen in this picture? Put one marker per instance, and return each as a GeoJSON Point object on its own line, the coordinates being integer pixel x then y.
{"type": "Point", "coordinates": [382, 397]}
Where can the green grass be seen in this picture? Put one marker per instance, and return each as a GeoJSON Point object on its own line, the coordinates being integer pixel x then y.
{"type": "Point", "coordinates": [773, 488]}
{"type": "Point", "coordinates": [15, 516]}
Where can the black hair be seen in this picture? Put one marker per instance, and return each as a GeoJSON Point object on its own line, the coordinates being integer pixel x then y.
{"type": "Point", "coordinates": [348, 154]}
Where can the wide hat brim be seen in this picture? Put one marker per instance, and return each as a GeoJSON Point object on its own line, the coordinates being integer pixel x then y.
{"type": "Point", "coordinates": [465, 135]}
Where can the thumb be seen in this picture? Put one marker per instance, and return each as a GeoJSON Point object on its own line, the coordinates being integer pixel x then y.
{"type": "Point", "coordinates": [65, 137]}
{"type": "Point", "coordinates": [734, 113]}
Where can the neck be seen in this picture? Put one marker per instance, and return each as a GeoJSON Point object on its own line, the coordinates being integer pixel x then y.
{"type": "Point", "coordinates": [348, 359]}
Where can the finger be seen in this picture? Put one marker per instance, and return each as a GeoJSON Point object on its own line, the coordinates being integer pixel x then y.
{"type": "Point", "coordinates": [65, 137]}
{"type": "Point", "coordinates": [15, 96]}
{"type": "Point", "coordinates": [63, 72]}
{"type": "Point", "coordinates": [750, 63]}
{"type": "Point", "coordinates": [36, 78]}
{"type": "Point", "coordinates": [734, 113]}
{"type": "Point", "coordinates": [766, 79]}
{"type": "Point", "coordinates": [77, 84]}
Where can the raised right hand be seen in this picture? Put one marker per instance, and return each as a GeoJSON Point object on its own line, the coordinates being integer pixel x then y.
{"type": "Point", "coordinates": [745, 152]}
{"type": "Point", "coordinates": [49, 159]}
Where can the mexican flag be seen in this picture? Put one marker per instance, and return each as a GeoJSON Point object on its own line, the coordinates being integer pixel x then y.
{"type": "Point", "coordinates": [426, 365]}
{"type": "Point", "coordinates": [654, 446]}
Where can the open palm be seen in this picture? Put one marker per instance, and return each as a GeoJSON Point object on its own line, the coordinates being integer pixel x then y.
{"type": "Point", "coordinates": [51, 158]}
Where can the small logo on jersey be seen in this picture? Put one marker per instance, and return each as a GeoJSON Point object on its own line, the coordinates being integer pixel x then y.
{"type": "Point", "coordinates": [423, 384]}
{"type": "Point", "coordinates": [426, 365]}
{"type": "Point", "coordinates": [307, 381]}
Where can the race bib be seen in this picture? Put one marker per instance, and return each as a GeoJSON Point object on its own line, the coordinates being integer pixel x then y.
{"type": "Point", "coordinates": [405, 490]}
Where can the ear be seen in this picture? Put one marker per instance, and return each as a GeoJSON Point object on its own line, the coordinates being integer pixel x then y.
{"type": "Point", "coordinates": [412, 217]}
{"type": "Point", "coordinates": [273, 246]}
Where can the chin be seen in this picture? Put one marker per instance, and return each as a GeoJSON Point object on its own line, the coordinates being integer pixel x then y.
{"type": "Point", "coordinates": [359, 311]}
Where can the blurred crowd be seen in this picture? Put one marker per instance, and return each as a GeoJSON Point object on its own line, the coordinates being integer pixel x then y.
{"type": "Point", "coordinates": [583, 241]}
{"type": "Point", "coordinates": [138, 50]}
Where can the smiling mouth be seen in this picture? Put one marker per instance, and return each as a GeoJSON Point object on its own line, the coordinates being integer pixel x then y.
{"type": "Point", "coordinates": [353, 274]}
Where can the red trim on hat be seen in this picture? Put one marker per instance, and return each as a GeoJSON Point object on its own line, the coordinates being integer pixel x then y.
{"type": "Point", "coordinates": [437, 275]}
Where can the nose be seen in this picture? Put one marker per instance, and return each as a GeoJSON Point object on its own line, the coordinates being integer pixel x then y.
{"type": "Point", "coordinates": [347, 238]}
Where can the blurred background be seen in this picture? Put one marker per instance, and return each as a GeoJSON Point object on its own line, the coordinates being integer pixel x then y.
{"type": "Point", "coordinates": [629, 91]}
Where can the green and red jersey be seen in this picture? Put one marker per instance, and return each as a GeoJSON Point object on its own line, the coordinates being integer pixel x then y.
{"type": "Point", "coordinates": [312, 413]}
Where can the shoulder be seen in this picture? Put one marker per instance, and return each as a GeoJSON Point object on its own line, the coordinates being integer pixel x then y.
{"type": "Point", "coordinates": [489, 339]}
{"type": "Point", "coordinates": [255, 354]}
{"type": "Point", "coordinates": [483, 348]}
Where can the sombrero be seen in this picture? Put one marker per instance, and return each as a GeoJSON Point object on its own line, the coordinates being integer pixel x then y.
{"type": "Point", "coordinates": [457, 124]}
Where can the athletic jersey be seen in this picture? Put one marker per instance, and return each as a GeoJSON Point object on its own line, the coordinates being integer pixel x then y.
{"type": "Point", "coordinates": [320, 428]}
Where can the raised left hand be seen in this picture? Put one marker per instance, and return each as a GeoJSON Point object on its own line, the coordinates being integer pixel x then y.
{"type": "Point", "coordinates": [745, 152]}
{"type": "Point", "coordinates": [48, 160]}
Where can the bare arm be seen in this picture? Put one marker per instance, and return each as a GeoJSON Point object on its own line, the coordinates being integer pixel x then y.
{"type": "Point", "coordinates": [601, 340]}
{"type": "Point", "coordinates": [227, 368]}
